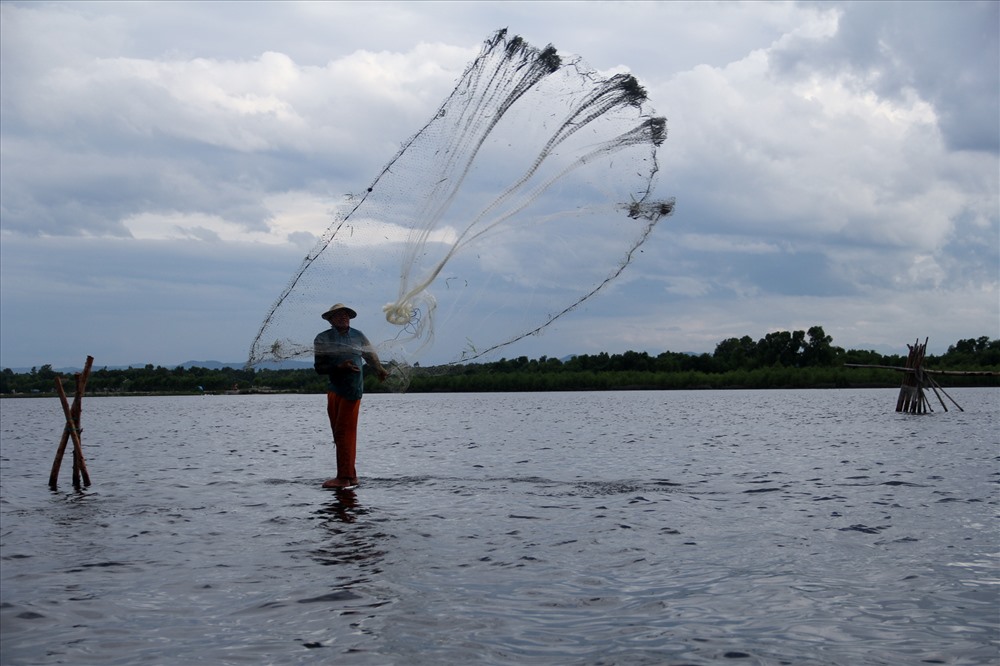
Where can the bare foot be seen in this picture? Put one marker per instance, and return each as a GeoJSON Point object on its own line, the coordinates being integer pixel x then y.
{"type": "Point", "coordinates": [340, 483]}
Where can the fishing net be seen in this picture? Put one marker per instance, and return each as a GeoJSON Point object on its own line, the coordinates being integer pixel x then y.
{"type": "Point", "coordinates": [527, 192]}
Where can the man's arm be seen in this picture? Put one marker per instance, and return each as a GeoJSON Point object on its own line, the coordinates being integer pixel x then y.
{"type": "Point", "coordinates": [371, 358]}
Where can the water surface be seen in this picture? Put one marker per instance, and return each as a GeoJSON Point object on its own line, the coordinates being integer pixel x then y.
{"type": "Point", "coordinates": [702, 527]}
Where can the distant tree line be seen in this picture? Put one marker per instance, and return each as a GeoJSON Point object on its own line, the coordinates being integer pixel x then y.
{"type": "Point", "coordinates": [783, 359]}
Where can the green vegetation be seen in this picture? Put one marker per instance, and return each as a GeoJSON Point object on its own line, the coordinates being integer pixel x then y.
{"type": "Point", "coordinates": [784, 359]}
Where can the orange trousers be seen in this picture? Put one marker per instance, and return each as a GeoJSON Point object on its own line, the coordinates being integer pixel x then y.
{"type": "Point", "coordinates": [343, 415]}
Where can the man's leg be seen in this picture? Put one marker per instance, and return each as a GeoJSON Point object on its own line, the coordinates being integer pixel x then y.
{"type": "Point", "coordinates": [344, 423]}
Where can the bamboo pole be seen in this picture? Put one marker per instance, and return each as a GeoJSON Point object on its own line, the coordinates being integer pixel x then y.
{"type": "Point", "coordinates": [924, 405]}
{"type": "Point", "coordinates": [970, 373]}
{"type": "Point", "coordinates": [934, 383]}
{"type": "Point", "coordinates": [933, 387]}
{"type": "Point", "coordinates": [903, 401]}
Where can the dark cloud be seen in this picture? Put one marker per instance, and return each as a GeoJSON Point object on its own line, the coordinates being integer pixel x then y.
{"type": "Point", "coordinates": [972, 253]}
{"type": "Point", "coordinates": [128, 301]}
{"type": "Point", "coordinates": [788, 274]}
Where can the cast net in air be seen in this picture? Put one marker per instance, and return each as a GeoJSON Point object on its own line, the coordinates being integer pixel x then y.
{"type": "Point", "coordinates": [528, 192]}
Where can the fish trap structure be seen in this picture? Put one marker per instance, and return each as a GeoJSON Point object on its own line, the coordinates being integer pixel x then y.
{"type": "Point", "coordinates": [919, 381]}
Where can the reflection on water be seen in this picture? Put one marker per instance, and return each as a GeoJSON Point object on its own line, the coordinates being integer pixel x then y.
{"type": "Point", "coordinates": [347, 542]}
{"type": "Point", "coordinates": [665, 528]}
{"type": "Point", "coordinates": [344, 508]}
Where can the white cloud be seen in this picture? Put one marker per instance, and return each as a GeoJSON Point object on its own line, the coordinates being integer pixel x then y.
{"type": "Point", "coordinates": [179, 226]}
{"type": "Point", "coordinates": [836, 153]}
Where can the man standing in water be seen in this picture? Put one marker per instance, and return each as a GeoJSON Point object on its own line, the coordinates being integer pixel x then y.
{"type": "Point", "coordinates": [339, 352]}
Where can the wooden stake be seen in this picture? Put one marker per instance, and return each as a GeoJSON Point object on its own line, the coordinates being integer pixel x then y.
{"type": "Point", "coordinates": [57, 463]}
{"type": "Point", "coordinates": [72, 429]}
{"type": "Point", "coordinates": [79, 465]}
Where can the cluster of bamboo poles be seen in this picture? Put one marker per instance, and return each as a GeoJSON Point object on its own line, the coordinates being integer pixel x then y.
{"type": "Point", "coordinates": [72, 429]}
{"type": "Point", "coordinates": [912, 394]}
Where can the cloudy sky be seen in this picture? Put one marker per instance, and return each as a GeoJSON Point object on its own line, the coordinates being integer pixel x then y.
{"type": "Point", "coordinates": [165, 166]}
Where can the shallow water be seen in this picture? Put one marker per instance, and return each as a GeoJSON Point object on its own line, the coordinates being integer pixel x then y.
{"type": "Point", "coordinates": [744, 527]}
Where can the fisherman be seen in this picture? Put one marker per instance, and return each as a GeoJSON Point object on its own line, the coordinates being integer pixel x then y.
{"type": "Point", "coordinates": [339, 352]}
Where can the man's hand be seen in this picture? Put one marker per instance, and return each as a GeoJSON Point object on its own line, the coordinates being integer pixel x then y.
{"type": "Point", "coordinates": [349, 365]}
{"type": "Point", "coordinates": [382, 373]}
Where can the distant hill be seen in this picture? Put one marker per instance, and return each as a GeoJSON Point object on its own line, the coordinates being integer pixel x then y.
{"type": "Point", "coordinates": [267, 365]}
{"type": "Point", "coordinates": [187, 365]}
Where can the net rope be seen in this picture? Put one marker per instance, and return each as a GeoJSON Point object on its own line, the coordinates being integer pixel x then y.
{"type": "Point", "coordinates": [528, 191]}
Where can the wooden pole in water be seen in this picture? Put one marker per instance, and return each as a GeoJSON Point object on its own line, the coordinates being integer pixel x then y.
{"type": "Point", "coordinates": [72, 429]}
{"type": "Point", "coordinates": [906, 388]}
{"type": "Point", "coordinates": [74, 432]}
{"type": "Point", "coordinates": [57, 463]}
{"type": "Point", "coordinates": [939, 388]}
